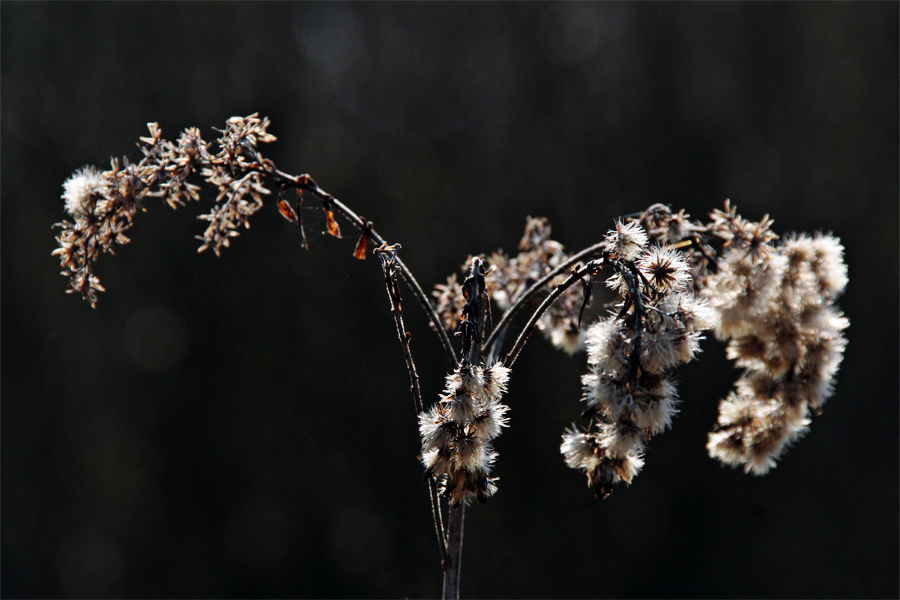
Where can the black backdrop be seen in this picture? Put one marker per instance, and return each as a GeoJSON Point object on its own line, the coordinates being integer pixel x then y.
{"type": "Point", "coordinates": [242, 426]}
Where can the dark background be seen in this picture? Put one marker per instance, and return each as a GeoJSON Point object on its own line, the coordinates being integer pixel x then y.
{"type": "Point", "coordinates": [242, 426]}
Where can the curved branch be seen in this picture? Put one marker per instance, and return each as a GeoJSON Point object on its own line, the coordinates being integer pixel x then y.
{"type": "Point", "coordinates": [576, 275]}
{"type": "Point", "coordinates": [305, 182]}
{"type": "Point", "coordinates": [534, 289]}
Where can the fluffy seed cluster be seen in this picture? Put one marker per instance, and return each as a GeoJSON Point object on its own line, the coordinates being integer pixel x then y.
{"type": "Point", "coordinates": [628, 393]}
{"type": "Point", "coordinates": [457, 432]}
{"type": "Point", "coordinates": [776, 307]}
{"type": "Point", "coordinates": [102, 204]}
{"type": "Point", "coordinates": [449, 301]}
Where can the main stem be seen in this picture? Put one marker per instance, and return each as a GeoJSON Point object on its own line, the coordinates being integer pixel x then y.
{"type": "Point", "coordinates": [454, 551]}
{"type": "Point", "coordinates": [472, 347]}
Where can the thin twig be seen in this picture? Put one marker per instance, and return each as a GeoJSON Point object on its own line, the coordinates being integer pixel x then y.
{"type": "Point", "coordinates": [389, 260]}
{"type": "Point", "coordinates": [534, 289]}
{"type": "Point", "coordinates": [576, 275]}
{"type": "Point", "coordinates": [305, 182]}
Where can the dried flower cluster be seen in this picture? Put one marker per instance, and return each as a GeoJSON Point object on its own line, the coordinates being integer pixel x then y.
{"type": "Point", "coordinates": [774, 303]}
{"type": "Point", "coordinates": [509, 278]}
{"type": "Point", "coordinates": [103, 204]}
{"type": "Point", "coordinates": [457, 432]}
{"type": "Point", "coordinates": [676, 277]}
{"type": "Point", "coordinates": [628, 391]}
{"type": "Point", "coordinates": [449, 302]}
{"type": "Point", "coordinates": [772, 300]}
{"type": "Point", "coordinates": [673, 278]}
{"type": "Point", "coordinates": [777, 312]}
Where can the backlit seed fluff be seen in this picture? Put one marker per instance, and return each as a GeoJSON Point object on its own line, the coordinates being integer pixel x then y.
{"type": "Point", "coordinates": [824, 255]}
{"type": "Point", "coordinates": [657, 325]}
{"type": "Point", "coordinates": [753, 432]}
{"type": "Point", "coordinates": [456, 432]}
{"type": "Point", "coordinates": [627, 240]}
{"type": "Point", "coordinates": [436, 428]}
{"type": "Point", "coordinates": [784, 330]}
{"type": "Point", "coordinates": [81, 191]}
{"type": "Point", "coordinates": [622, 438]}
{"type": "Point", "coordinates": [743, 290]}
{"type": "Point", "coordinates": [587, 451]}
{"type": "Point", "coordinates": [495, 379]}
{"type": "Point", "coordinates": [568, 339]}
{"type": "Point", "coordinates": [665, 269]}
{"type": "Point", "coordinates": [605, 344]}
{"type": "Point", "coordinates": [580, 449]}
{"type": "Point", "coordinates": [462, 406]}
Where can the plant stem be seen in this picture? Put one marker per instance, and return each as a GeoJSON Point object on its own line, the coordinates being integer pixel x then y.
{"type": "Point", "coordinates": [476, 307]}
{"type": "Point", "coordinates": [576, 275]}
{"type": "Point", "coordinates": [454, 547]}
{"type": "Point", "coordinates": [389, 266]}
{"type": "Point", "coordinates": [534, 289]}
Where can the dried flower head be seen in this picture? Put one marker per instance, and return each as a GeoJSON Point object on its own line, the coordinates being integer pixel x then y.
{"type": "Point", "coordinates": [627, 391]}
{"type": "Point", "coordinates": [103, 203]}
{"type": "Point", "coordinates": [82, 190]}
{"type": "Point", "coordinates": [777, 313]}
{"type": "Point", "coordinates": [627, 240]}
{"type": "Point", "coordinates": [449, 302]}
{"type": "Point", "coordinates": [456, 432]}
{"type": "Point", "coordinates": [665, 269]}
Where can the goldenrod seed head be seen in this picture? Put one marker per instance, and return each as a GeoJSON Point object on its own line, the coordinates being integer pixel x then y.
{"type": "Point", "coordinates": [82, 190]}
{"type": "Point", "coordinates": [665, 269]}
{"type": "Point", "coordinates": [627, 240]}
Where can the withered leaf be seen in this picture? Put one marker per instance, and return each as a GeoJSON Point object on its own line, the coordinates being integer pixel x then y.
{"type": "Point", "coordinates": [333, 228]}
{"type": "Point", "coordinates": [287, 212]}
{"type": "Point", "coordinates": [361, 246]}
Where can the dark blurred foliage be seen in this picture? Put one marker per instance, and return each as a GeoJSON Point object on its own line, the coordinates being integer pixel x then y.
{"type": "Point", "coordinates": [242, 427]}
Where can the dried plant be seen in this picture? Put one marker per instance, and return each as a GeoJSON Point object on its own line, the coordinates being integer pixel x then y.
{"type": "Point", "coordinates": [672, 278]}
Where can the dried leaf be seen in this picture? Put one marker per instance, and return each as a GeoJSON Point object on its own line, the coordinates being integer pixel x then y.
{"type": "Point", "coordinates": [586, 289]}
{"type": "Point", "coordinates": [361, 246]}
{"type": "Point", "coordinates": [333, 228]}
{"type": "Point", "coordinates": [287, 212]}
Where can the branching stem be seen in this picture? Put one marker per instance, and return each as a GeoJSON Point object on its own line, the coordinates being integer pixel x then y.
{"type": "Point", "coordinates": [576, 276]}
{"type": "Point", "coordinates": [389, 266]}
{"type": "Point", "coordinates": [534, 289]}
{"type": "Point", "coordinates": [305, 182]}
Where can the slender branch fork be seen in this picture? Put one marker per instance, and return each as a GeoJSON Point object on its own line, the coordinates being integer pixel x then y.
{"type": "Point", "coordinates": [389, 264]}
{"type": "Point", "coordinates": [307, 183]}
{"type": "Point", "coordinates": [534, 289]}
{"type": "Point", "coordinates": [576, 276]}
{"type": "Point", "coordinates": [450, 537]}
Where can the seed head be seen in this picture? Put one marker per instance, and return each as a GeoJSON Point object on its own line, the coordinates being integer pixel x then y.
{"type": "Point", "coordinates": [81, 191]}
